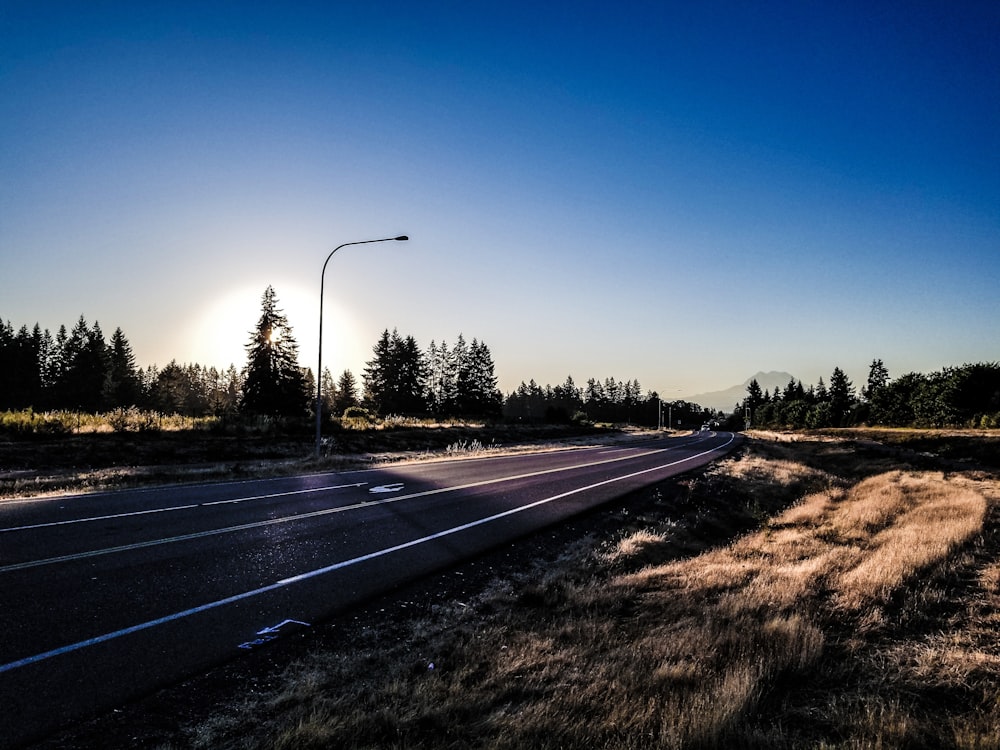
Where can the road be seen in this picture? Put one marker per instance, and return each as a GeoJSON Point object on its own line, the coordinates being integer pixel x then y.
{"type": "Point", "coordinates": [111, 595]}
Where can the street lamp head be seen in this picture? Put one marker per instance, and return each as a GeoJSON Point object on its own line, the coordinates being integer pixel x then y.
{"type": "Point", "coordinates": [401, 237]}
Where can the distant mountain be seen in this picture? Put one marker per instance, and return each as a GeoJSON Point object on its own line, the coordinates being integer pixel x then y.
{"type": "Point", "coordinates": [726, 400]}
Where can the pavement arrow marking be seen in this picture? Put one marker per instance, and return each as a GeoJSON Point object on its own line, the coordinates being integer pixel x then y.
{"type": "Point", "coordinates": [383, 488]}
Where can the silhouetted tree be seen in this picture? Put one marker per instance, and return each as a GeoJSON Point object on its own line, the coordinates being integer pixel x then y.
{"type": "Point", "coordinates": [121, 384]}
{"type": "Point", "coordinates": [395, 377]}
{"type": "Point", "coordinates": [273, 382]}
{"type": "Point", "coordinates": [442, 385]}
{"type": "Point", "coordinates": [841, 398]}
{"type": "Point", "coordinates": [347, 393]}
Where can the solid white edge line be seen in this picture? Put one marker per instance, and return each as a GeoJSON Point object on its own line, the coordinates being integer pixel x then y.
{"type": "Point", "coordinates": [302, 516]}
{"type": "Point", "coordinates": [329, 569]}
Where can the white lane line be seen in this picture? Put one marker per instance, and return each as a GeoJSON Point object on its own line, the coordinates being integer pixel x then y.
{"type": "Point", "coordinates": [331, 568]}
{"type": "Point", "coordinates": [89, 519]}
{"type": "Point", "coordinates": [313, 514]}
{"type": "Point", "coordinates": [301, 516]}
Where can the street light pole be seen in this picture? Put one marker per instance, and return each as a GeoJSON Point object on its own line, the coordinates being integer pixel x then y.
{"type": "Point", "coordinates": [670, 412]}
{"type": "Point", "coordinates": [670, 415]}
{"type": "Point", "coordinates": [319, 363]}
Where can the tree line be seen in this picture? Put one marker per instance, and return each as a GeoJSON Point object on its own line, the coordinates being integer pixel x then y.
{"type": "Point", "coordinates": [80, 370]}
{"type": "Point", "coordinates": [610, 400]}
{"type": "Point", "coordinates": [966, 396]}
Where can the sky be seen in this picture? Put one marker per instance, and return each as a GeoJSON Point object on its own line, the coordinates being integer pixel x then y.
{"type": "Point", "coordinates": [681, 193]}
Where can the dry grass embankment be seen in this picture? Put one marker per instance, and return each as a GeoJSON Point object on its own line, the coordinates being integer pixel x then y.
{"type": "Point", "coordinates": [863, 615]}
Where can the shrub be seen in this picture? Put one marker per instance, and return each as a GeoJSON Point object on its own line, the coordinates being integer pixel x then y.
{"type": "Point", "coordinates": [132, 420]}
{"type": "Point", "coordinates": [357, 417]}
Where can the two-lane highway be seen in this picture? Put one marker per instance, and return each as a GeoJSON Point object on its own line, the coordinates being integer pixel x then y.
{"type": "Point", "coordinates": [110, 595]}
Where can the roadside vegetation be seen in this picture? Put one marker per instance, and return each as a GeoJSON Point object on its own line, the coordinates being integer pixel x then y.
{"type": "Point", "coordinates": [76, 452]}
{"type": "Point", "coordinates": [813, 591]}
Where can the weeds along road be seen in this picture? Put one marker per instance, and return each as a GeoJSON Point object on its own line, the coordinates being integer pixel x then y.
{"type": "Point", "coordinates": [108, 596]}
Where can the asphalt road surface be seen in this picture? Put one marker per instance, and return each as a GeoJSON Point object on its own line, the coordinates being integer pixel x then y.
{"type": "Point", "coordinates": [108, 596]}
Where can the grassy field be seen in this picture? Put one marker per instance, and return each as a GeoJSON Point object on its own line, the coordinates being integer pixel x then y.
{"type": "Point", "coordinates": [813, 591]}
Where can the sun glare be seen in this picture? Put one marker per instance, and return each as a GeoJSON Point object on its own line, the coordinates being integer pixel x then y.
{"type": "Point", "coordinates": [219, 334]}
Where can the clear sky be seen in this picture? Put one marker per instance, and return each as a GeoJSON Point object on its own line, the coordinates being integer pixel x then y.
{"type": "Point", "coordinates": [679, 192]}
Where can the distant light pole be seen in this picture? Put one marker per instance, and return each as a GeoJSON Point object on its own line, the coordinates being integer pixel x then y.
{"type": "Point", "coordinates": [670, 415]}
{"type": "Point", "coordinates": [319, 363]}
{"type": "Point", "coordinates": [670, 412]}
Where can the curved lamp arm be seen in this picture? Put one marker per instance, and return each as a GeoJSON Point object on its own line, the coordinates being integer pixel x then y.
{"type": "Point", "coordinates": [319, 363]}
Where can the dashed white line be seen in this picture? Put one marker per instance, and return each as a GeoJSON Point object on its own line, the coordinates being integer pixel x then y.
{"type": "Point", "coordinates": [337, 566]}
{"type": "Point", "coordinates": [89, 519]}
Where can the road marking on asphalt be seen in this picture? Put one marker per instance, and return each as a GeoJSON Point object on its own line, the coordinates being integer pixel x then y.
{"type": "Point", "coordinates": [317, 513]}
{"type": "Point", "coordinates": [29, 660]}
{"type": "Point", "coordinates": [301, 516]}
{"type": "Point", "coordinates": [110, 516]}
{"type": "Point", "coordinates": [270, 633]}
{"type": "Point", "coordinates": [384, 488]}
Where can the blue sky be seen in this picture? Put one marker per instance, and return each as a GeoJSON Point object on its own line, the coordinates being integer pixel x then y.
{"type": "Point", "coordinates": [681, 193]}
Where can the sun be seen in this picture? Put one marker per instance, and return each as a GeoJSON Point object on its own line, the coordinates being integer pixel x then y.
{"type": "Point", "coordinates": [218, 334]}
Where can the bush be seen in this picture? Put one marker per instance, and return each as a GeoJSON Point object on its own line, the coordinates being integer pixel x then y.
{"type": "Point", "coordinates": [30, 422]}
{"type": "Point", "coordinates": [132, 420]}
{"type": "Point", "coordinates": [358, 418]}
{"type": "Point", "coordinates": [989, 421]}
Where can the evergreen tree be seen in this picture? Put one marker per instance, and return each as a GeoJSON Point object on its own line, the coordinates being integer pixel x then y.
{"type": "Point", "coordinates": [330, 394]}
{"type": "Point", "coordinates": [85, 367]}
{"type": "Point", "coordinates": [411, 378]}
{"type": "Point", "coordinates": [377, 374]}
{"type": "Point", "coordinates": [274, 383]}
{"type": "Point", "coordinates": [25, 383]}
{"type": "Point", "coordinates": [48, 367]}
{"type": "Point", "coordinates": [755, 397]}
{"type": "Point", "coordinates": [396, 377]}
{"type": "Point", "coordinates": [480, 397]}
{"type": "Point", "coordinates": [460, 377]}
{"type": "Point", "coordinates": [878, 378]}
{"type": "Point", "coordinates": [442, 382]}
{"type": "Point", "coordinates": [347, 393]}
{"type": "Point", "coordinates": [70, 392]}
{"type": "Point", "coordinates": [232, 393]}
{"type": "Point", "coordinates": [841, 398]}
{"type": "Point", "coordinates": [874, 393]}
{"type": "Point", "coordinates": [595, 401]}
{"type": "Point", "coordinates": [820, 391]}
{"type": "Point", "coordinates": [121, 384]}
{"type": "Point", "coordinates": [171, 389]}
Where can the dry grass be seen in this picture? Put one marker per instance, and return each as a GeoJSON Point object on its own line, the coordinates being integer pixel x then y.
{"type": "Point", "coordinates": [863, 616]}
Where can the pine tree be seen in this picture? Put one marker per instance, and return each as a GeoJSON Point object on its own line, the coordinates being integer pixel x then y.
{"type": "Point", "coordinates": [441, 380]}
{"type": "Point", "coordinates": [121, 385]}
{"type": "Point", "coordinates": [329, 392]}
{"type": "Point", "coordinates": [274, 383]}
{"type": "Point", "coordinates": [347, 392]}
{"type": "Point", "coordinates": [411, 377]}
{"type": "Point", "coordinates": [821, 393]}
{"type": "Point", "coordinates": [377, 374]}
{"type": "Point", "coordinates": [878, 378]}
{"type": "Point", "coordinates": [841, 397]}
{"type": "Point", "coordinates": [395, 379]}
{"type": "Point", "coordinates": [482, 398]}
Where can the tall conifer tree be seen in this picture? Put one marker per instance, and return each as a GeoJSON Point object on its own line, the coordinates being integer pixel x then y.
{"type": "Point", "coordinates": [274, 383]}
